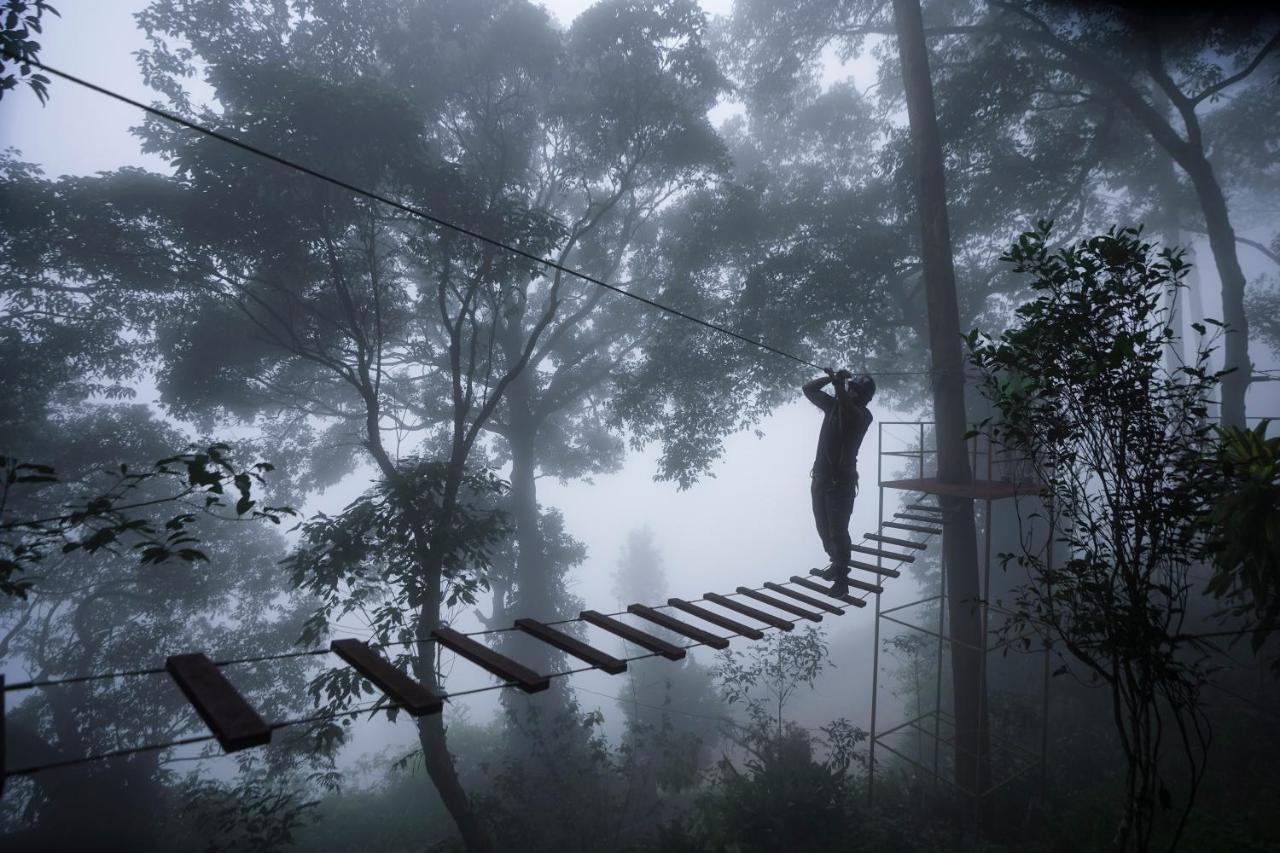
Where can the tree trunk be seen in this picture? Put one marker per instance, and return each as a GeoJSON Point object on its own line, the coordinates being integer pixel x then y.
{"type": "Point", "coordinates": [1188, 153]}
{"type": "Point", "coordinates": [959, 540]}
{"type": "Point", "coordinates": [1170, 227]}
{"type": "Point", "coordinates": [435, 751]}
{"type": "Point", "coordinates": [1222, 240]}
{"type": "Point", "coordinates": [431, 730]}
{"type": "Point", "coordinates": [429, 552]}
{"type": "Point", "coordinates": [535, 576]}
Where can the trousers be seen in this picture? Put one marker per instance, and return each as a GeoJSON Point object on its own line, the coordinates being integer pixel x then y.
{"type": "Point", "coordinates": [832, 506]}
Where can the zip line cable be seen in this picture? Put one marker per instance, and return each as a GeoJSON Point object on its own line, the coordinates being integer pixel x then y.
{"type": "Point", "coordinates": [405, 208]}
{"type": "Point", "coordinates": [429, 217]}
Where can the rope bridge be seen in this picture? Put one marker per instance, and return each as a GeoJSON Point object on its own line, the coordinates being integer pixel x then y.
{"type": "Point", "coordinates": [235, 724]}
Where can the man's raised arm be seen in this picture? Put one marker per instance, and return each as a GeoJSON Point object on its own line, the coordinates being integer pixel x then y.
{"type": "Point", "coordinates": [813, 391]}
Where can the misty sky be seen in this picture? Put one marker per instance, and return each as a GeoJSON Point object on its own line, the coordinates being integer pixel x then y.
{"type": "Point", "coordinates": [750, 523]}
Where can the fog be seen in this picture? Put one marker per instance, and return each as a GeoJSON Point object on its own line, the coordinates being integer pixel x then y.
{"type": "Point", "coordinates": [163, 293]}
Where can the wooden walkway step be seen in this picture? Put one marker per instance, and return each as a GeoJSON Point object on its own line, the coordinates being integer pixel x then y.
{"type": "Point", "coordinates": [825, 574]}
{"type": "Point", "coordinates": [483, 656]}
{"type": "Point", "coordinates": [654, 644]}
{"type": "Point", "coordinates": [693, 632]}
{"type": "Point", "coordinates": [906, 516]}
{"type": "Point", "coordinates": [572, 645]}
{"type": "Point", "coordinates": [749, 612]}
{"type": "Point", "coordinates": [229, 717]}
{"type": "Point", "coordinates": [826, 590]}
{"type": "Point", "coordinates": [879, 570]}
{"type": "Point", "coordinates": [784, 606]}
{"type": "Point", "coordinates": [901, 543]}
{"type": "Point", "coordinates": [800, 596]}
{"type": "Point", "coordinates": [888, 555]}
{"type": "Point", "coordinates": [716, 619]}
{"type": "Point", "coordinates": [925, 508]}
{"type": "Point", "coordinates": [399, 687]}
{"type": "Point", "coordinates": [914, 528]}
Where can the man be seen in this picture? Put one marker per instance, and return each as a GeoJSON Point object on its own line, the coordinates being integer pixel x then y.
{"type": "Point", "coordinates": [835, 468]}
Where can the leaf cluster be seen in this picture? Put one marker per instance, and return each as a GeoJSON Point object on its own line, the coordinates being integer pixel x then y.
{"type": "Point", "coordinates": [1243, 527]}
{"type": "Point", "coordinates": [1117, 442]}
{"type": "Point", "coordinates": [109, 518]}
{"type": "Point", "coordinates": [21, 18]}
{"type": "Point", "coordinates": [368, 560]}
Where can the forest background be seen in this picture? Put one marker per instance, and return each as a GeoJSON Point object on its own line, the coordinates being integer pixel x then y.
{"type": "Point", "coordinates": [800, 149]}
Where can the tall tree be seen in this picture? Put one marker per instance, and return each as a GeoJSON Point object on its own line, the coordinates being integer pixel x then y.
{"type": "Point", "coordinates": [1210, 53]}
{"type": "Point", "coordinates": [362, 328]}
{"type": "Point", "coordinates": [1120, 445]}
{"type": "Point", "coordinates": [959, 539]}
{"type": "Point", "coordinates": [614, 155]}
{"type": "Point", "coordinates": [1054, 73]}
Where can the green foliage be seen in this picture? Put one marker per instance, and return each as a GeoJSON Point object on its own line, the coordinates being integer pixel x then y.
{"type": "Point", "coordinates": [18, 20]}
{"type": "Point", "coordinates": [1263, 305]}
{"type": "Point", "coordinates": [368, 561]}
{"type": "Point", "coordinates": [1243, 527]}
{"type": "Point", "coordinates": [1118, 445]}
{"type": "Point", "coordinates": [784, 796]}
{"type": "Point", "coordinates": [565, 787]}
{"type": "Point", "coordinates": [101, 611]}
{"type": "Point", "coordinates": [792, 801]}
{"type": "Point", "coordinates": [764, 677]}
{"type": "Point", "coordinates": [258, 811]}
{"type": "Point", "coordinates": [107, 518]}
{"type": "Point", "coordinates": [372, 540]}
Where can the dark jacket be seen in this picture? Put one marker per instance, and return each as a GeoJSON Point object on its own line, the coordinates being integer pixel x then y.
{"type": "Point", "coordinates": [844, 425]}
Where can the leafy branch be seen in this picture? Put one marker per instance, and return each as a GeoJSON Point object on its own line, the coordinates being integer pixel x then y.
{"type": "Point", "coordinates": [21, 18]}
{"type": "Point", "coordinates": [114, 518]}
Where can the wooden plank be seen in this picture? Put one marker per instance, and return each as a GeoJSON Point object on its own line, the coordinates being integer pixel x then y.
{"type": "Point", "coordinates": [716, 619]}
{"type": "Point", "coordinates": [568, 643]}
{"type": "Point", "coordinates": [483, 656]}
{"type": "Point", "coordinates": [901, 543]}
{"type": "Point", "coordinates": [800, 596]}
{"type": "Point", "coordinates": [784, 606]}
{"type": "Point", "coordinates": [402, 689]}
{"type": "Point", "coordinates": [888, 555]}
{"type": "Point", "coordinates": [826, 590]}
{"type": "Point", "coordinates": [750, 612]}
{"type": "Point", "coordinates": [914, 528]}
{"type": "Point", "coordinates": [925, 508]}
{"type": "Point", "coordinates": [976, 489]}
{"type": "Point", "coordinates": [906, 516]}
{"type": "Point", "coordinates": [229, 717]}
{"type": "Point", "coordinates": [672, 624]}
{"type": "Point", "coordinates": [825, 574]}
{"type": "Point", "coordinates": [634, 635]}
{"type": "Point", "coordinates": [871, 567]}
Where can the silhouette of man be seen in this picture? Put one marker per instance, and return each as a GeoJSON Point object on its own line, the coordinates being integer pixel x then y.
{"type": "Point", "coordinates": [845, 422]}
